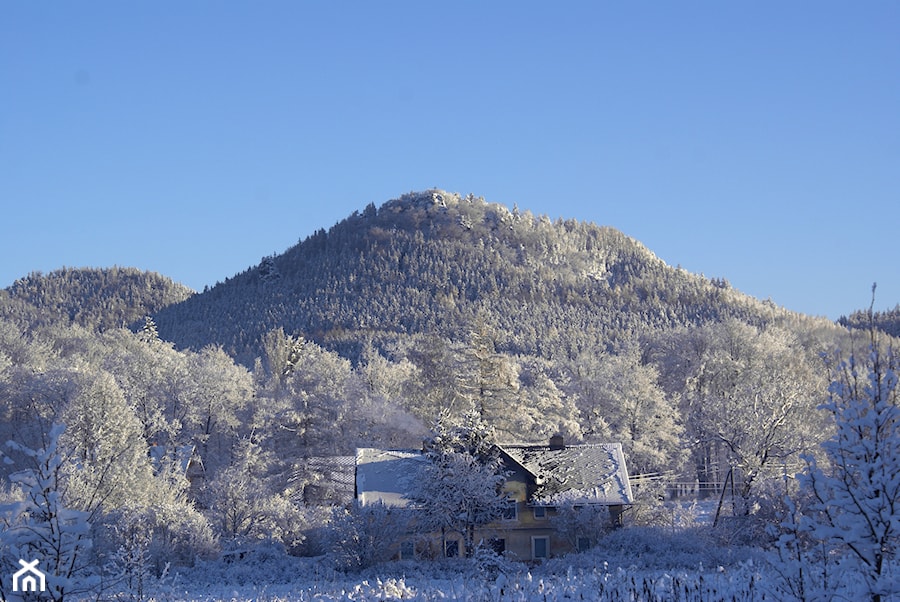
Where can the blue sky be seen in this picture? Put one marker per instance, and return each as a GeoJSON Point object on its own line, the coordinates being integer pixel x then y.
{"type": "Point", "coordinates": [759, 142]}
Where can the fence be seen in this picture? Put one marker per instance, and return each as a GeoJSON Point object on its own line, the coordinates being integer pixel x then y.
{"type": "Point", "coordinates": [678, 487]}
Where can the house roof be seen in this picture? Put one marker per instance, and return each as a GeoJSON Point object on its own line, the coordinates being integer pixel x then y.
{"type": "Point", "coordinates": [585, 474]}
{"type": "Point", "coordinates": [581, 474]}
{"type": "Point", "coordinates": [386, 475]}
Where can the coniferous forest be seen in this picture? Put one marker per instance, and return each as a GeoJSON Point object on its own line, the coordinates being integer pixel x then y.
{"type": "Point", "coordinates": [181, 426]}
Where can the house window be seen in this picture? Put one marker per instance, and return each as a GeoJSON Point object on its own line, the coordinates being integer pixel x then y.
{"type": "Point", "coordinates": [540, 512]}
{"type": "Point", "coordinates": [407, 550]}
{"type": "Point", "coordinates": [510, 512]}
{"type": "Point", "coordinates": [584, 544]}
{"type": "Point", "coordinates": [540, 547]}
{"type": "Point", "coordinates": [451, 548]}
{"type": "Point", "coordinates": [498, 545]}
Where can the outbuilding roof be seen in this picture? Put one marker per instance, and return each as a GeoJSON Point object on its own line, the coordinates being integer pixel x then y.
{"type": "Point", "coordinates": [386, 475]}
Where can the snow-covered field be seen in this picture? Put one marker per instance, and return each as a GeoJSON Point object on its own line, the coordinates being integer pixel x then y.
{"type": "Point", "coordinates": [632, 566]}
{"type": "Point", "coordinates": [577, 584]}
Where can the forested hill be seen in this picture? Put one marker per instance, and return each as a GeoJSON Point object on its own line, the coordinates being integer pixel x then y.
{"type": "Point", "coordinates": [92, 298]}
{"type": "Point", "coordinates": [437, 263]}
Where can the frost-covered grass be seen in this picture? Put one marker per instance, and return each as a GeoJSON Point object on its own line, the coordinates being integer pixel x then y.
{"type": "Point", "coordinates": [598, 584]}
{"type": "Point", "coordinates": [634, 564]}
{"type": "Point", "coordinates": [631, 564]}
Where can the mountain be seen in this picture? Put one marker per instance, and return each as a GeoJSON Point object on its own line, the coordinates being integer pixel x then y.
{"type": "Point", "coordinates": [438, 263]}
{"type": "Point", "coordinates": [93, 298]}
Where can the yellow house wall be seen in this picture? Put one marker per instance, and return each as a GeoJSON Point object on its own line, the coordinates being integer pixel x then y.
{"type": "Point", "coordinates": [517, 533]}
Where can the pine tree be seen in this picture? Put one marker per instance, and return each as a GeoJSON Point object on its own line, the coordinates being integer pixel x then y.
{"type": "Point", "coordinates": [148, 332]}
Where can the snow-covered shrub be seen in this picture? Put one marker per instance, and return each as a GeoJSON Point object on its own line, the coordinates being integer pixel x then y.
{"type": "Point", "coordinates": [659, 548]}
{"type": "Point", "coordinates": [574, 523]}
{"type": "Point", "coordinates": [263, 563]}
{"type": "Point", "coordinates": [366, 535]}
{"type": "Point", "coordinates": [138, 545]}
{"type": "Point", "coordinates": [802, 568]}
{"type": "Point", "coordinates": [489, 565]}
{"type": "Point", "coordinates": [315, 525]}
{"type": "Point", "coordinates": [124, 547]}
{"type": "Point", "coordinates": [648, 509]}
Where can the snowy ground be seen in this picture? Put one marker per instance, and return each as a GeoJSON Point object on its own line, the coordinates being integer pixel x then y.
{"type": "Point", "coordinates": [577, 584]}
{"type": "Point", "coordinates": [631, 567]}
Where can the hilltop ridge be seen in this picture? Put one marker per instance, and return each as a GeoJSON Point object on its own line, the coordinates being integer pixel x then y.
{"type": "Point", "coordinates": [435, 262]}
{"type": "Point", "coordinates": [97, 298]}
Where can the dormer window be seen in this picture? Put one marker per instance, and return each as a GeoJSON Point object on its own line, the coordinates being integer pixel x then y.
{"type": "Point", "coordinates": [510, 512]}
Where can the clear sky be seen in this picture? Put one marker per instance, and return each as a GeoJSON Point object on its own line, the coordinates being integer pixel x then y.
{"type": "Point", "coordinates": [756, 141]}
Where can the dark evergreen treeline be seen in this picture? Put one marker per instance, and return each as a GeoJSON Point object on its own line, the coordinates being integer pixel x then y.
{"type": "Point", "coordinates": [885, 321]}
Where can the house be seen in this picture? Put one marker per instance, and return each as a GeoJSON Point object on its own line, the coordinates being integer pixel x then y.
{"type": "Point", "coordinates": [543, 483]}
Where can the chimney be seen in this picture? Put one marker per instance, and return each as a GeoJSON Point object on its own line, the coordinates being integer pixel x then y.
{"type": "Point", "coordinates": [557, 442]}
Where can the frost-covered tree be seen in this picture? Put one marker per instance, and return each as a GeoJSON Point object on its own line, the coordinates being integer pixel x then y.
{"type": "Point", "coordinates": [148, 332]}
{"type": "Point", "coordinates": [460, 488]}
{"type": "Point", "coordinates": [244, 503]}
{"type": "Point", "coordinates": [110, 464]}
{"type": "Point", "coordinates": [43, 527]}
{"type": "Point", "coordinates": [389, 408]}
{"type": "Point", "coordinates": [218, 393]}
{"type": "Point", "coordinates": [542, 408]}
{"type": "Point", "coordinates": [438, 364]}
{"type": "Point", "coordinates": [305, 398]}
{"type": "Point", "coordinates": [748, 403]}
{"type": "Point", "coordinates": [621, 400]}
{"type": "Point", "coordinates": [857, 490]}
{"type": "Point", "coordinates": [489, 380]}
{"type": "Point", "coordinates": [149, 372]}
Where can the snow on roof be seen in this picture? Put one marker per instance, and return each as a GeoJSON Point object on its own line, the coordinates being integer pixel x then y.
{"type": "Point", "coordinates": [386, 475]}
{"type": "Point", "coordinates": [582, 474]}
